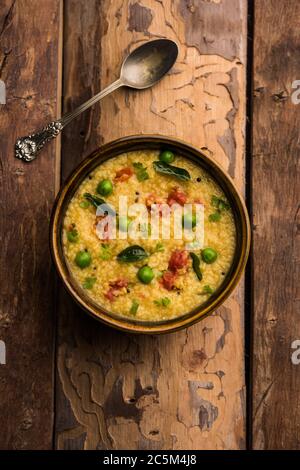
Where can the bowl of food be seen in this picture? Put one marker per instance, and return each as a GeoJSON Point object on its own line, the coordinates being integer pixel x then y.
{"type": "Point", "coordinates": [149, 235]}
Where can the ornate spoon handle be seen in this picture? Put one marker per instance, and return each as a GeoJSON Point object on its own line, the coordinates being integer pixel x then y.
{"type": "Point", "coordinates": [28, 147]}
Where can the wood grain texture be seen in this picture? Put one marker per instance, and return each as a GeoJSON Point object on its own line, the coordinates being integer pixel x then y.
{"type": "Point", "coordinates": [29, 66]}
{"type": "Point", "coordinates": [275, 188]}
{"type": "Point", "coordinates": [184, 390]}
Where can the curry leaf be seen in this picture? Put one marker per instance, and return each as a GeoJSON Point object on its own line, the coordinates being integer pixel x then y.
{"type": "Point", "coordinates": [171, 170]}
{"type": "Point", "coordinates": [98, 201]}
{"type": "Point", "coordinates": [132, 253]}
{"type": "Point", "coordinates": [94, 200]}
{"type": "Point", "coordinates": [196, 265]}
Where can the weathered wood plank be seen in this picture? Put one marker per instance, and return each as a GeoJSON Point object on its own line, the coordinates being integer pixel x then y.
{"type": "Point", "coordinates": [275, 200]}
{"type": "Point", "coordinates": [29, 66]}
{"type": "Point", "coordinates": [184, 390]}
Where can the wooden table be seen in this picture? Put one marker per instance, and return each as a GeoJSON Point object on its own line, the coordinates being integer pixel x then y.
{"type": "Point", "coordinates": [227, 382]}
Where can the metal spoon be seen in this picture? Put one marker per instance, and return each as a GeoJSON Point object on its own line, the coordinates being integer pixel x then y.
{"type": "Point", "coordinates": [141, 69]}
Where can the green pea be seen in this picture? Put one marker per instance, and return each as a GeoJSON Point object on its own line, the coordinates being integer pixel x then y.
{"type": "Point", "coordinates": [167, 156]}
{"type": "Point", "coordinates": [105, 187]}
{"type": "Point", "coordinates": [145, 274]}
{"type": "Point", "coordinates": [83, 259]}
{"type": "Point", "coordinates": [209, 255]}
{"type": "Point", "coordinates": [123, 223]}
{"type": "Point", "coordinates": [72, 235]}
{"type": "Point", "coordinates": [189, 220]}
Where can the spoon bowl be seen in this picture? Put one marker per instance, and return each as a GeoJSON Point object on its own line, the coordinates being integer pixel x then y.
{"type": "Point", "coordinates": [147, 64]}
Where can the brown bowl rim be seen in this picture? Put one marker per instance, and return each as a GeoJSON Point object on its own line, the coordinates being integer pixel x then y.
{"type": "Point", "coordinates": [121, 323]}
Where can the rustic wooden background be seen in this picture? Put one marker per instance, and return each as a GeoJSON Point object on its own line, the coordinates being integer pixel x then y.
{"type": "Point", "coordinates": [228, 382]}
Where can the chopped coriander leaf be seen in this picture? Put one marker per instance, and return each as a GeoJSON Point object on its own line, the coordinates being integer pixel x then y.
{"type": "Point", "coordinates": [164, 302]}
{"type": "Point", "coordinates": [138, 165]}
{"type": "Point", "coordinates": [134, 307]}
{"type": "Point", "coordinates": [105, 253]}
{"type": "Point", "coordinates": [140, 171]}
{"type": "Point", "coordinates": [215, 217]}
{"type": "Point", "coordinates": [207, 290]}
{"type": "Point", "coordinates": [142, 176]}
{"type": "Point", "coordinates": [84, 204]}
{"type": "Point", "coordinates": [89, 282]}
{"type": "Point", "coordinates": [223, 206]}
{"type": "Point", "coordinates": [219, 203]}
{"type": "Point", "coordinates": [214, 201]}
{"type": "Point", "coordinates": [159, 247]}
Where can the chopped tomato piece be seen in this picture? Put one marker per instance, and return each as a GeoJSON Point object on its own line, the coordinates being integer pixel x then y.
{"type": "Point", "coordinates": [177, 195]}
{"type": "Point", "coordinates": [153, 199]}
{"type": "Point", "coordinates": [110, 295]}
{"type": "Point", "coordinates": [168, 280]}
{"type": "Point", "coordinates": [157, 201]}
{"type": "Point", "coordinates": [115, 286]}
{"type": "Point", "coordinates": [178, 260]}
{"type": "Point", "coordinates": [119, 283]}
{"type": "Point", "coordinates": [123, 174]}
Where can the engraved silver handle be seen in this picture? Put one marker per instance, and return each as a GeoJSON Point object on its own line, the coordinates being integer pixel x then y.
{"type": "Point", "coordinates": [28, 147]}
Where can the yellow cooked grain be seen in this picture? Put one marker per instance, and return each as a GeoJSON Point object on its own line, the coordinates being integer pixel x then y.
{"type": "Point", "coordinates": [219, 235]}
